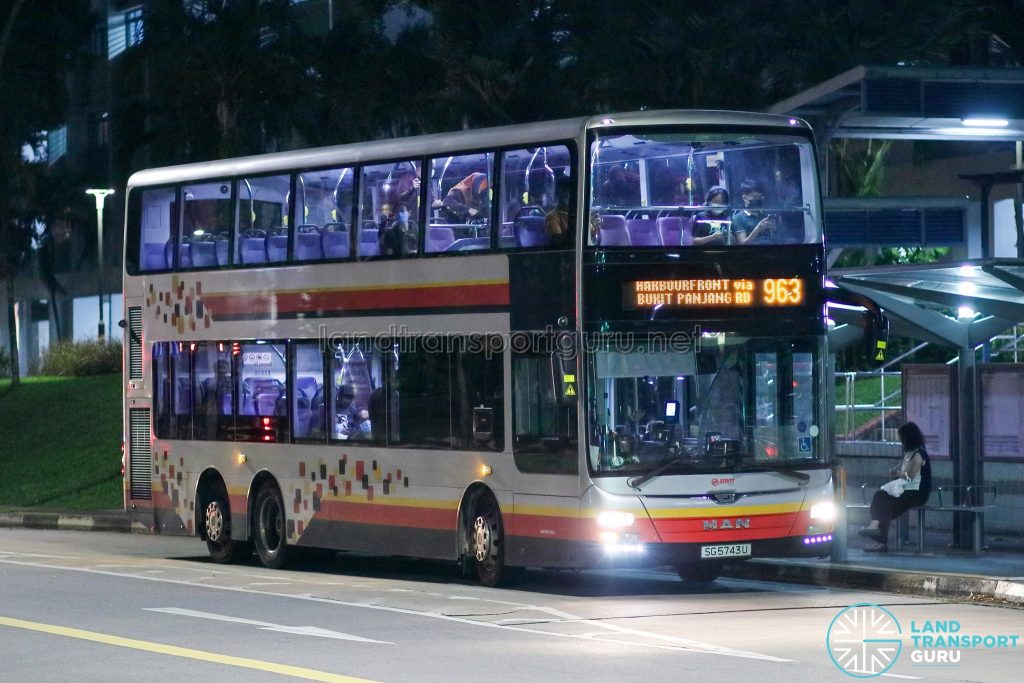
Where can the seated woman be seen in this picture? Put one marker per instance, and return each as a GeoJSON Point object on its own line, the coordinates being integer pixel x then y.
{"type": "Point", "coordinates": [916, 470]}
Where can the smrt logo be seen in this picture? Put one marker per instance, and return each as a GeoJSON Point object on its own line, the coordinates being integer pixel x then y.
{"type": "Point", "coordinates": [723, 481]}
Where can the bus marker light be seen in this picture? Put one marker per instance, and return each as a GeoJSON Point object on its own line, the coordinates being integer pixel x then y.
{"type": "Point", "coordinates": [609, 537]}
{"type": "Point", "coordinates": [486, 470]}
{"type": "Point", "coordinates": [242, 458]}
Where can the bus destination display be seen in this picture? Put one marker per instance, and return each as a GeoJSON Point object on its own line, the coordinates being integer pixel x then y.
{"type": "Point", "coordinates": [713, 292]}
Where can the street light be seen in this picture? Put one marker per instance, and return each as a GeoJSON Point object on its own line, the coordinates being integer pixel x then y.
{"type": "Point", "coordinates": [100, 195]}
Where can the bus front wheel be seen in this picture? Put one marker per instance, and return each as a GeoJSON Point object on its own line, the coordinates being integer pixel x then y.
{"type": "Point", "coordinates": [217, 525]}
{"type": "Point", "coordinates": [487, 543]}
{"type": "Point", "coordinates": [269, 528]}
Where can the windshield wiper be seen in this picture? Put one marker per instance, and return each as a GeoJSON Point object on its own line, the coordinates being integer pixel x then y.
{"type": "Point", "coordinates": [641, 479]}
{"type": "Point", "coordinates": [786, 471]}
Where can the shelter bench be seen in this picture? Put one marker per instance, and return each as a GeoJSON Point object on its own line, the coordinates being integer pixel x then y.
{"type": "Point", "coordinates": [975, 500]}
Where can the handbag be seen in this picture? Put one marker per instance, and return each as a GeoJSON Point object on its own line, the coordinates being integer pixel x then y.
{"type": "Point", "coordinates": [895, 487]}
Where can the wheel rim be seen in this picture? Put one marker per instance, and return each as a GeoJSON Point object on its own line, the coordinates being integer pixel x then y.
{"type": "Point", "coordinates": [216, 525]}
{"type": "Point", "coordinates": [481, 539]}
{"type": "Point", "coordinates": [271, 524]}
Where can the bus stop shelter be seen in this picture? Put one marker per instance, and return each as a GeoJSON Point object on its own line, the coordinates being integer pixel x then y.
{"type": "Point", "coordinates": [960, 305]}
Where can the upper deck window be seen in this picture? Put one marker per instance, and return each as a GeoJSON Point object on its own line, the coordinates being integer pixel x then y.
{"type": "Point", "coordinates": [261, 236]}
{"type": "Point", "coordinates": [459, 201]}
{"type": "Point", "coordinates": [538, 187]}
{"type": "Point", "coordinates": [668, 189]}
{"type": "Point", "coordinates": [206, 226]}
{"type": "Point", "coordinates": [389, 210]}
{"type": "Point", "coordinates": [323, 207]}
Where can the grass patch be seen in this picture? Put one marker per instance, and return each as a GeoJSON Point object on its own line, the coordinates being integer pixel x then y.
{"type": "Point", "coordinates": [867, 390]}
{"type": "Point", "coordinates": [61, 445]}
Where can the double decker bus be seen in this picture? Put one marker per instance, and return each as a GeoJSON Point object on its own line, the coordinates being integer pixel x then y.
{"type": "Point", "coordinates": [562, 345]}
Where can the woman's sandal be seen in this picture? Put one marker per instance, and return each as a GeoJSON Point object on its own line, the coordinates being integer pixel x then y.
{"type": "Point", "coordinates": [876, 548]}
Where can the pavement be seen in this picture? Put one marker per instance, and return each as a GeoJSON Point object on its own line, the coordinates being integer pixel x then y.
{"type": "Point", "coordinates": [996, 576]}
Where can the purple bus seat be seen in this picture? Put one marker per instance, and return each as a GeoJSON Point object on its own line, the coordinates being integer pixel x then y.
{"type": "Point", "coordinates": [439, 238]}
{"type": "Point", "coordinates": [153, 257]}
{"type": "Point", "coordinates": [613, 231]}
{"type": "Point", "coordinates": [307, 385]}
{"type": "Point", "coordinates": [642, 232]}
{"type": "Point", "coordinates": [368, 244]}
{"type": "Point", "coordinates": [307, 247]}
{"type": "Point", "coordinates": [335, 243]}
{"type": "Point", "coordinates": [675, 231]}
{"type": "Point", "coordinates": [221, 248]}
{"type": "Point", "coordinates": [253, 250]}
{"type": "Point", "coordinates": [277, 247]}
{"type": "Point", "coordinates": [530, 231]}
{"type": "Point", "coordinates": [183, 261]}
{"type": "Point", "coordinates": [203, 254]}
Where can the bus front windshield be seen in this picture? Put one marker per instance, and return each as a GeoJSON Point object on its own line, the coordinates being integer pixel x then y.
{"type": "Point", "coordinates": [667, 189]}
{"type": "Point", "coordinates": [728, 403]}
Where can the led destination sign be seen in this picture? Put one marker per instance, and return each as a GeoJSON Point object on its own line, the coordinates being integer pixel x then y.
{"type": "Point", "coordinates": [713, 292]}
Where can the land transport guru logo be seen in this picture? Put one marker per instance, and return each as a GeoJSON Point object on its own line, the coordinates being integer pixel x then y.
{"type": "Point", "coordinates": [865, 640]}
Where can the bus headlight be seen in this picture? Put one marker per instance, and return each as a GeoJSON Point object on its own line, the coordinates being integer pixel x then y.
{"type": "Point", "coordinates": [614, 519]}
{"type": "Point", "coordinates": [824, 511]}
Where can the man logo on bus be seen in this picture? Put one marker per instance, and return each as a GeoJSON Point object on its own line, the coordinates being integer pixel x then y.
{"type": "Point", "coordinates": [864, 640]}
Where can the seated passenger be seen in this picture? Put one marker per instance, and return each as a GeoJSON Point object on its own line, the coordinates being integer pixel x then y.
{"type": "Point", "coordinates": [468, 200]}
{"type": "Point", "coordinates": [397, 234]}
{"type": "Point", "coordinates": [749, 225]}
{"type": "Point", "coordinates": [345, 411]}
{"type": "Point", "coordinates": [620, 188]}
{"type": "Point", "coordinates": [712, 226]}
{"type": "Point", "coordinates": [363, 429]}
{"type": "Point", "coordinates": [557, 219]}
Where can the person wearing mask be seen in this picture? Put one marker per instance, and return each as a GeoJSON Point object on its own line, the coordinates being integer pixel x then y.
{"type": "Point", "coordinates": [713, 227]}
{"type": "Point", "coordinates": [749, 224]}
{"type": "Point", "coordinates": [397, 234]}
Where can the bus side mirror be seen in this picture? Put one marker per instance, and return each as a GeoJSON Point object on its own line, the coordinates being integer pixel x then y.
{"type": "Point", "coordinates": [873, 322]}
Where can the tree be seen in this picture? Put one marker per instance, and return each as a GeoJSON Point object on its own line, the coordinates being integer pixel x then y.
{"type": "Point", "coordinates": [225, 78]}
{"type": "Point", "coordinates": [34, 47]}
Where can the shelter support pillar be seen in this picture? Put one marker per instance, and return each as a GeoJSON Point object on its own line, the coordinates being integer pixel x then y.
{"type": "Point", "coordinates": [967, 466]}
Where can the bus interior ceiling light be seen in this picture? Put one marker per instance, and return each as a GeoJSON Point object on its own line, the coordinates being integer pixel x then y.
{"type": "Point", "coordinates": [984, 122]}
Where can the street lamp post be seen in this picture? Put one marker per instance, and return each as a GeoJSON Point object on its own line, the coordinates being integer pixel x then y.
{"type": "Point", "coordinates": [100, 195]}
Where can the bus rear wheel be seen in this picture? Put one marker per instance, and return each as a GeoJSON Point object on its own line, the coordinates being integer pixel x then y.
{"type": "Point", "coordinates": [217, 525]}
{"type": "Point", "coordinates": [269, 528]}
{"type": "Point", "coordinates": [487, 543]}
{"type": "Point", "coordinates": [705, 572]}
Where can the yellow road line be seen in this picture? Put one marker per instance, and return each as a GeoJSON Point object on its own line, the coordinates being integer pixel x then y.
{"type": "Point", "coordinates": [188, 653]}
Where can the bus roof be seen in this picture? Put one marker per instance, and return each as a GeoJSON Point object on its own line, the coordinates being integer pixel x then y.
{"type": "Point", "coordinates": [455, 141]}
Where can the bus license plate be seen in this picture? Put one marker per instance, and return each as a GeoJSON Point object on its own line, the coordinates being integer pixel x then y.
{"type": "Point", "coordinates": [733, 550]}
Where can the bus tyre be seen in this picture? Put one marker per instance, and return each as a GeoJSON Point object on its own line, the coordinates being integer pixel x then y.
{"type": "Point", "coordinates": [487, 543]}
{"type": "Point", "coordinates": [217, 524]}
{"type": "Point", "coordinates": [702, 572]}
{"type": "Point", "coordinates": [269, 527]}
